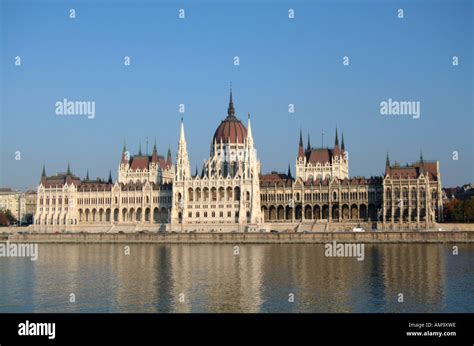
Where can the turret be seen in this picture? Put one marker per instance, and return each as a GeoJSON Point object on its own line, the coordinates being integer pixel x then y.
{"type": "Point", "coordinates": [169, 160]}
{"type": "Point", "coordinates": [183, 170]}
{"type": "Point", "coordinates": [124, 154]}
{"type": "Point", "coordinates": [154, 155]}
{"type": "Point", "coordinates": [249, 133]}
{"type": "Point", "coordinates": [300, 146]}
{"type": "Point", "coordinates": [43, 175]}
{"type": "Point", "coordinates": [336, 145]}
{"type": "Point", "coordinates": [230, 109]}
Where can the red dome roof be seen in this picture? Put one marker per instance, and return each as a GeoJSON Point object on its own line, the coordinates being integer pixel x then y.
{"type": "Point", "coordinates": [231, 129]}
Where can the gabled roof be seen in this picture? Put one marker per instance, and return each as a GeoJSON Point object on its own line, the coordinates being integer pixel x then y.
{"type": "Point", "coordinates": [413, 171]}
{"type": "Point", "coordinates": [275, 179]}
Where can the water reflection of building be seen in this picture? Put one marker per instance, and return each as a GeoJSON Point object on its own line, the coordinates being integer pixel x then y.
{"type": "Point", "coordinates": [213, 279]}
{"type": "Point", "coordinates": [319, 283]}
{"type": "Point", "coordinates": [415, 270]}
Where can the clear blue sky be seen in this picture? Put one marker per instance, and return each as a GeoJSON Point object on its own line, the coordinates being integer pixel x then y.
{"type": "Point", "coordinates": [190, 61]}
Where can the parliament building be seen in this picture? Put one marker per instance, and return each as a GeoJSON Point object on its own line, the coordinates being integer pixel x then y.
{"type": "Point", "coordinates": [230, 194]}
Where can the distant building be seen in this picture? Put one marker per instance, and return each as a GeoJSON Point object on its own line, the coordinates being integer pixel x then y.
{"type": "Point", "coordinates": [11, 200]}
{"type": "Point", "coordinates": [459, 192]}
{"type": "Point", "coordinates": [29, 208]}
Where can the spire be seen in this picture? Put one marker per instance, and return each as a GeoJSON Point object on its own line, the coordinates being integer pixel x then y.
{"type": "Point", "coordinates": [196, 173]}
{"type": "Point", "coordinates": [336, 145]}
{"type": "Point", "coordinates": [87, 175]}
{"type": "Point", "coordinates": [124, 153]}
{"type": "Point", "coordinates": [342, 144]}
{"type": "Point", "coordinates": [300, 146]}
{"type": "Point", "coordinates": [169, 160]}
{"type": "Point", "coordinates": [249, 132]}
{"type": "Point", "coordinates": [421, 157]}
{"type": "Point", "coordinates": [154, 155]}
{"type": "Point", "coordinates": [68, 169]}
{"type": "Point", "coordinates": [308, 148]}
{"type": "Point", "coordinates": [231, 110]}
{"type": "Point", "coordinates": [183, 169]}
{"type": "Point", "coordinates": [43, 174]}
{"type": "Point", "coordinates": [289, 172]}
{"type": "Point", "coordinates": [140, 149]}
{"type": "Point", "coordinates": [181, 132]}
{"type": "Point", "coordinates": [387, 165]}
{"type": "Point", "coordinates": [110, 177]}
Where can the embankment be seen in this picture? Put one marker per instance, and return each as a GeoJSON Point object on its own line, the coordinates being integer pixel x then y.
{"type": "Point", "coordinates": [250, 238]}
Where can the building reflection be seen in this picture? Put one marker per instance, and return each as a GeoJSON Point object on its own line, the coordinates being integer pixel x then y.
{"type": "Point", "coordinates": [211, 278]}
{"type": "Point", "coordinates": [418, 272]}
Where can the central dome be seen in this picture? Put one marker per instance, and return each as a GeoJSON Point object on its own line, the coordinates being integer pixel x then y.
{"type": "Point", "coordinates": [231, 129]}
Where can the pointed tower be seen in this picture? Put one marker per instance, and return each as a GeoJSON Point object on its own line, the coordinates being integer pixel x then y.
{"type": "Point", "coordinates": [169, 160]}
{"type": "Point", "coordinates": [154, 155]}
{"type": "Point", "coordinates": [87, 175]}
{"type": "Point", "coordinates": [124, 154]}
{"type": "Point", "coordinates": [308, 147]}
{"type": "Point", "coordinates": [251, 152]}
{"type": "Point", "coordinates": [300, 145]}
{"type": "Point", "coordinates": [183, 170]}
{"type": "Point", "coordinates": [387, 165]}
{"type": "Point", "coordinates": [110, 177]}
{"type": "Point", "coordinates": [68, 169]}
{"type": "Point", "coordinates": [289, 172]}
{"type": "Point", "coordinates": [230, 109]}
{"type": "Point", "coordinates": [342, 144]}
{"type": "Point", "coordinates": [43, 175]}
{"type": "Point", "coordinates": [140, 149]}
{"type": "Point", "coordinates": [336, 145]}
{"type": "Point", "coordinates": [249, 133]}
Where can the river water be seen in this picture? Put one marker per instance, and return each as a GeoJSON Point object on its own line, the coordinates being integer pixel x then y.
{"type": "Point", "coordinates": [250, 278]}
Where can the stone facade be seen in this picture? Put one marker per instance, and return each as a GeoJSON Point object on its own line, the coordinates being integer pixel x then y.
{"type": "Point", "coordinates": [406, 197]}
{"type": "Point", "coordinates": [226, 196]}
{"type": "Point", "coordinates": [65, 200]}
{"type": "Point", "coordinates": [231, 194]}
{"type": "Point", "coordinates": [11, 200]}
{"type": "Point", "coordinates": [322, 163]}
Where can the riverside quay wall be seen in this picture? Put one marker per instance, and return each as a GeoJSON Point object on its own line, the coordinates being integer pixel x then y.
{"type": "Point", "coordinates": [250, 238]}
